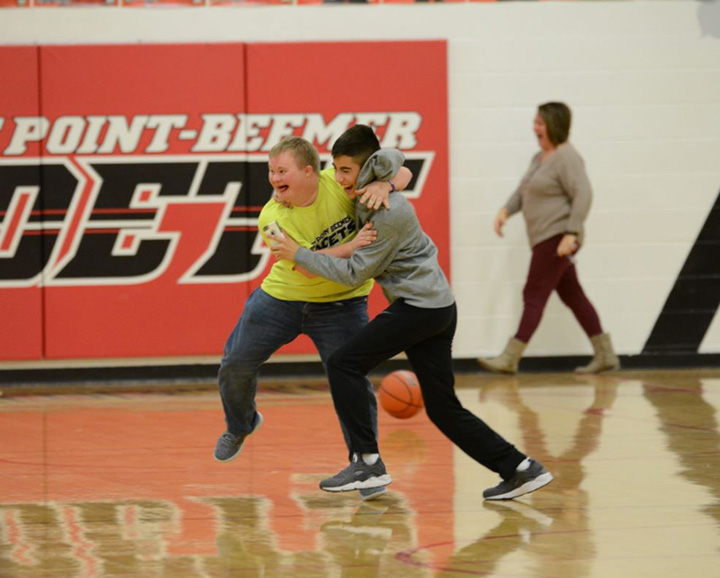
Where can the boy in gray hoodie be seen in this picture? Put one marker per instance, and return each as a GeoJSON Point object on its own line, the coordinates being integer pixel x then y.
{"type": "Point", "coordinates": [420, 320]}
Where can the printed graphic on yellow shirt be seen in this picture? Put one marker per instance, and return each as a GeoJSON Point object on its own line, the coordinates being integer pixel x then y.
{"type": "Point", "coordinates": [333, 213]}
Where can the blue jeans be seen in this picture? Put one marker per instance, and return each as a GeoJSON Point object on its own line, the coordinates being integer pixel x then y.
{"type": "Point", "coordinates": [266, 324]}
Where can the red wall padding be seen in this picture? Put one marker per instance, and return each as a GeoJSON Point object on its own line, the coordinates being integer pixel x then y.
{"type": "Point", "coordinates": [132, 177]}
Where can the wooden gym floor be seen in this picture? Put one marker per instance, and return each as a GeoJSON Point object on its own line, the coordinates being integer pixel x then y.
{"type": "Point", "coordinates": [124, 485]}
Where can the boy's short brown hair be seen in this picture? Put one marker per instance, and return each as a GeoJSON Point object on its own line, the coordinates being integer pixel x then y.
{"type": "Point", "coordinates": [304, 152]}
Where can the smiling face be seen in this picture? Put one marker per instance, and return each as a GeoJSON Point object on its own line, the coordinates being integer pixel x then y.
{"type": "Point", "coordinates": [291, 182]}
{"type": "Point", "coordinates": [346, 173]}
{"type": "Point", "coordinates": [540, 129]}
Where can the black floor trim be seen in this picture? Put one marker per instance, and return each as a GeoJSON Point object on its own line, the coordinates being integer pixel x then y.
{"type": "Point", "coordinates": [190, 375]}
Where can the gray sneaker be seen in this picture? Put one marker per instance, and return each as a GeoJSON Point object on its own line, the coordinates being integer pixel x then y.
{"type": "Point", "coordinates": [529, 480]}
{"type": "Point", "coordinates": [229, 445]}
{"type": "Point", "coordinates": [358, 476]}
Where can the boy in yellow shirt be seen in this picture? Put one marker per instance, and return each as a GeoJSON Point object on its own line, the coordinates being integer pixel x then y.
{"type": "Point", "coordinates": [289, 301]}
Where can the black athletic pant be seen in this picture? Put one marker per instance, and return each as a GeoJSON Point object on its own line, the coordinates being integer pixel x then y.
{"type": "Point", "coordinates": [425, 335]}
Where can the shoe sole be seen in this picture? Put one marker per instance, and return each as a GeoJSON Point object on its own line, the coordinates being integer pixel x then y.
{"type": "Point", "coordinates": [237, 453]}
{"type": "Point", "coordinates": [528, 487]}
{"type": "Point", "coordinates": [375, 482]}
{"type": "Point", "coordinates": [521, 508]}
{"type": "Point", "coordinates": [492, 369]}
{"type": "Point", "coordinates": [372, 493]}
{"type": "Point", "coordinates": [612, 367]}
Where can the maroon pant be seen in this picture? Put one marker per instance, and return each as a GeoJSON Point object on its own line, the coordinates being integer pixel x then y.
{"type": "Point", "coordinates": [548, 272]}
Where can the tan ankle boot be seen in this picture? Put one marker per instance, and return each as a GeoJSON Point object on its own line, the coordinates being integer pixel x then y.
{"type": "Point", "coordinates": [508, 360]}
{"type": "Point", "coordinates": [604, 359]}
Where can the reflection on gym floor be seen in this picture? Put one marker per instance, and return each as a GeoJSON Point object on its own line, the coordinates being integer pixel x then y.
{"type": "Point", "coordinates": [125, 485]}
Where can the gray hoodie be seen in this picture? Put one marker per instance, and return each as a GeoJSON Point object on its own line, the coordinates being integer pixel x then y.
{"type": "Point", "coordinates": [403, 259]}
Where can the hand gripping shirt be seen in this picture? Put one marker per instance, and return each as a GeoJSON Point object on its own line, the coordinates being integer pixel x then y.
{"type": "Point", "coordinates": [328, 222]}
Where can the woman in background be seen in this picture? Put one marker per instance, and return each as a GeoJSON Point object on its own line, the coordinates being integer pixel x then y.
{"type": "Point", "coordinates": [554, 196]}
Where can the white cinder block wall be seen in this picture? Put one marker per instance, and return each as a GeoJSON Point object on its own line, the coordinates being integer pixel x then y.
{"type": "Point", "coordinates": [642, 77]}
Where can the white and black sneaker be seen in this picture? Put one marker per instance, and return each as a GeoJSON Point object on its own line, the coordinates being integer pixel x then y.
{"type": "Point", "coordinates": [534, 477]}
{"type": "Point", "coordinates": [358, 476]}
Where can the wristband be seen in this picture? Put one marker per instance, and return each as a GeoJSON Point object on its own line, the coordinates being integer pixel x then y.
{"type": "Point", "coordinates": [392, 186]}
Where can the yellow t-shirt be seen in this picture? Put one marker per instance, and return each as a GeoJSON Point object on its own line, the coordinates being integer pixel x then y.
{"type": "Point", "coordinates": [329, 221]}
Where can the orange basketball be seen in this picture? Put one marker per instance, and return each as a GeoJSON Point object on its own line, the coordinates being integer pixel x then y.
{"type": "Point", "coordinates": [400, 394]}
